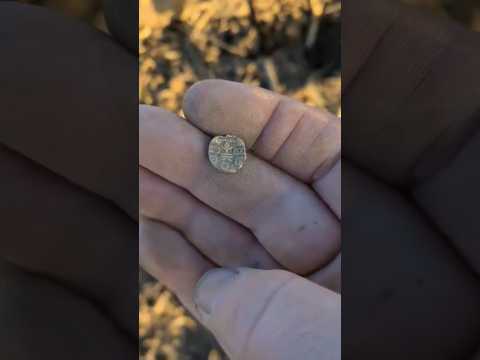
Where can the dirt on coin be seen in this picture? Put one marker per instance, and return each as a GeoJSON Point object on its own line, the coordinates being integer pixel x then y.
{"type": "Point", "coordinates": [227, 153]}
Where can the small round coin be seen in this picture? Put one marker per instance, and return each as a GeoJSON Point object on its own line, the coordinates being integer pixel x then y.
{"type": "Point", "coordinates": [227, 153]}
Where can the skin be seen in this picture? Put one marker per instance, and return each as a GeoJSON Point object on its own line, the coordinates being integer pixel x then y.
{"type": "Point", "coordinates": [64, 293]}
{"type": "Point", "coordinates": [402, 260]}
{"type": "Point", "coordinates": [195, 219]}
{"type": "Point", "coordinates": [54, 272]}
{"type": "Point", "coordinates": [409, 184]}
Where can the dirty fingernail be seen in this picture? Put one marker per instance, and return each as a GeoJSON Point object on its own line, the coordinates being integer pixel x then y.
{"type": "Point", "coordinates": [210, 286]}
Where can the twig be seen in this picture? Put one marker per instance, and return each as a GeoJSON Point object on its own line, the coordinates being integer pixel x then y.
{"type": "Point", "coordinates": [318, 8]}
{"type": "Point", "coordinates": [256, 25]}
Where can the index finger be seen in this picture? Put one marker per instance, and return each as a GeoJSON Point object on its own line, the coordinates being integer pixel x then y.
{"type": "Point", "coordinates": [302, 141]}
{"type": "Point", "coordinates": [286, 217]}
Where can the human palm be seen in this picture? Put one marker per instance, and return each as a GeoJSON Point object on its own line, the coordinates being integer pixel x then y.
{"type": "Point", "coordinates": [410, 185]}
{"type": "Point", "coordinates": [280, 211]}
{"type": "Point", "coordinates": [410, 263]}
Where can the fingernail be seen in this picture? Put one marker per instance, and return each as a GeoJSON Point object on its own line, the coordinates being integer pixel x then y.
{"type": "Point", "coordinates": [210, 286]}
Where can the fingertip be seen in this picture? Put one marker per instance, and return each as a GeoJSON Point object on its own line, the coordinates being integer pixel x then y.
{"type": "Point", "coordinates": [220, 107]}
{"type": "Point", "coordinates": [196, 95]}
{"type": "Point", "coordinates": [210, 287]}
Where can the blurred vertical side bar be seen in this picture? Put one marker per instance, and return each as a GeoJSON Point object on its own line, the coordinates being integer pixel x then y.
{"type": "Point", "coordinates": [68, 185]}
{"type": "Point", "coordinates": [410, 147]}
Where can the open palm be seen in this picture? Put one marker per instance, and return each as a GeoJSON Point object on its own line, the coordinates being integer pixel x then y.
{"type": "Point", "coordinates": [281, 211]}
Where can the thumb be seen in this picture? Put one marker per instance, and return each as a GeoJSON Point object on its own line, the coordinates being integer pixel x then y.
{"type": "Point", "coordinates": [269, 314]}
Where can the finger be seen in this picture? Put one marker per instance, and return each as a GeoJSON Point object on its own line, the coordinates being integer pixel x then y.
{"type": "Point", "coordinates": [457, 186]}
{"type": "Point", "coordinates": [30, 306]}
{"type": "Point", "coordinates": [77, 100]}
{"type": "Point", "coordinates": [406, 132]}
{"type": "Point", "coordinates": [330, 276]}
{"type": "Point", "coordinates": [53, 228]}
{"type": "Point", "coordinates": [310, 329]}
{"type": "Point", "coordinates": [329, 188]}
{"type": "Point", "coordinates": [257, 197]}
{"type": "Point", "coordinates": [220, 239]}
{"type": "Point", "coordinates": [122, 20]}
{"type": "Point", "coordinates": [169, 257]}
{"type": "Point", "coordinates": [299, 140]}
{"type": "Point", "coordinates": [477, 355]}
{"type": "Point", "coordinates": [398, 265]}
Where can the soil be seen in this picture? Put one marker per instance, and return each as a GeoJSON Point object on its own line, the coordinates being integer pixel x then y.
{"type": "Point", "coordinates": [260, 42]}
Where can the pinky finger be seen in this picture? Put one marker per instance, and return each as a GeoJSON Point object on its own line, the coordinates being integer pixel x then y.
{"type": "Point", "coordinates": [170, 258]}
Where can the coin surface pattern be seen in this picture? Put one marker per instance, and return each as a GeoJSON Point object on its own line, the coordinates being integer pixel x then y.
{"type": "Point", "coordinates": [227, 153]}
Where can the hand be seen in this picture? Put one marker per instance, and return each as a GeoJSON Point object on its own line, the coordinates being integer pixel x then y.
{"type": "Point", "coordinates": [68, 264]}
{"type": "Point", "coordinates": [410, 185]}
{"type": "Point", "coordinates": [281, 211]}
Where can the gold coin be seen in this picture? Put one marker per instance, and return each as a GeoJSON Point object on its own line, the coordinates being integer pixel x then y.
{"type": "Point", "coordinates": [227, 153]}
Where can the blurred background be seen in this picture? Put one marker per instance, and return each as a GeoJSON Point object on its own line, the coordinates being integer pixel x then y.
{"type": "Point", "coordinates": [87, 10]}
{"type": "Point", "coordinates": [270, 43]}
{"type": "Point", "coordinates": [288, 46]}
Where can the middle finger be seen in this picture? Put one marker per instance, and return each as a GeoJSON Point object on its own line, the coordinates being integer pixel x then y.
{"type": "Point", "coordinates": [217, 237]}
